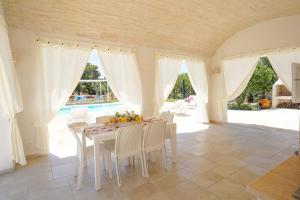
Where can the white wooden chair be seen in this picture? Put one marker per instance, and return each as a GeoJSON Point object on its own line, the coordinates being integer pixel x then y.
{"type": "Point", "coordinates": [80, 157]}
{"type": "Point", "coordinates": [128, 143]}
{"type": "Point", "coordinates": [170, 131]}
{"type": "Point", "coordinates": [80, 153]}
{"type": "Point", "coordinates": [154, 140]}
{"type": "Point", "coordinates": [102, 119]}
{"type": "Point", "coordinates": [167, 116]}
{"type": "Point", "coordinates": [76, 122]}
{"type": "Point", "coordinates": [78, 115]}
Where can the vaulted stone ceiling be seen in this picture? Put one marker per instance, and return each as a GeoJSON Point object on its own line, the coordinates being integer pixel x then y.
{"type": "Point", "coordinates": [196, 26]}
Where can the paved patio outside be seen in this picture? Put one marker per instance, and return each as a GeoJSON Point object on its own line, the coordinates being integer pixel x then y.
{"type": "Point", "coordinates": [277, 118]}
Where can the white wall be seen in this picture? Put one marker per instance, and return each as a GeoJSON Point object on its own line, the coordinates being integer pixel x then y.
{"type": "Point", "coordinates": [24, 48]}
{"type": "Point", "coordinates": [146, 63]}
{"type": "Point", "coordinates": [272, 34]}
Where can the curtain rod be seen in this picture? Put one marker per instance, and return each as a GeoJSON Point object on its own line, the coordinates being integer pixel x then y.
{"type": "Point", "coordinates": [103, 44]}
{"type": "Point", "coordinates": [55, 43]}
{"type": "Point", "coordinates": [263, 53]}
{"type": "Point", "coordinates": [78, 44]}
{"type": "Point", "coordinates": [183, 57]}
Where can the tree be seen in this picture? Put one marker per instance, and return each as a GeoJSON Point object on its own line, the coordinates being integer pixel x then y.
{"type": "Point", "coordinates": [183, 87]}
{"type": "Point", "coordinates": [183, 90]}
{"type": "Point", "coordinates": [91, 72]}
{"type": "Point", "coordinates": [260, 84]}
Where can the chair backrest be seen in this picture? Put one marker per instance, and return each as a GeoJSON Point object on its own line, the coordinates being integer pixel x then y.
{"type": "Point", "coordinates": [154, 136]}
{"type": "Point", "coordinates": [102, 119]}
{"type": "Point", "coordinates": [78, 114]}
{"type": "Point", "coordinates": [167, 116]}
{"type": "Point", "coordinates": [129, 140]}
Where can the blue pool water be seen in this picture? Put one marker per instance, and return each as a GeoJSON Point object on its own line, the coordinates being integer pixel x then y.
{"type": "Point", "coordinates": [104, 107]}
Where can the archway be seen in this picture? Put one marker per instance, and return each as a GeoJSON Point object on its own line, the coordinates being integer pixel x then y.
{"type": "Point", "coordinates": [266, 100]}
{"type": "Point", "coordinates": [92, 92]}
{"type": "Point", "coordinates": [184, 102]}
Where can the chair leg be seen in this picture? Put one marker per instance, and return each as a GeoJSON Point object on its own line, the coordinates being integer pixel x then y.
{"type": "Point", "coordinates": [118, 171]}
{"type": "Point", "coordinates": [76, 163]}
{"type": "Point", "coordinates": [165, 157]}
{"type": "Point", "coordinates": [84, 150]}
{"type": "Point", "coordinates": [76, 167]}
{"type": "Point", "coordinates": [81, 165]}
{"type": "Point", "coordinates": [142, 163]}
{"type": "Point", "coordinates": [80, 173]}
{"type": "Point", "coordinates": [104, 160]}
{"type": "Point", "coordinates": [149, 156]}
{"type": "Point", "coordinates": [128, 160]}
{"type": "Point", "coordinates": [133, 161]}
{"type": "Point", "coordinates": [145, 164]}
{"type": "Point", "coordinates": [109, 164]}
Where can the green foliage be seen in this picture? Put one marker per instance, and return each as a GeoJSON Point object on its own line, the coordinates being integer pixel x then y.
{"type": "Point", "coordinates": [91, 72]}
{"type": "Point", "coordinates": [242, 106]}
{"type": "Point", "coordinates": [170, 100]}
{"type": "Point", "coordinates": [262, 81]}
{"type": "Point", "coordinates": [245, 106]}
{"type": "Point", "coordinates": [240, 99]}
{"type": "Point", "coordinates": [182, 88]}
{"type": "Point", "coordinates": [233, 106]}
{"type": "Point", "coordinates": [260, 84]}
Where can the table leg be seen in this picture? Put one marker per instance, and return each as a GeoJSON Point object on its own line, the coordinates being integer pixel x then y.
{"type": "Point", "coordinates": [173, 143]}
{"type": "Point", "coordinates": [97, 164]}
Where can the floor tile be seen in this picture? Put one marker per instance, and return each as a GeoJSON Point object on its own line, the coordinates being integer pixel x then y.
{"type": "Point", "coordinates": [226, 189]}
{"type": "Point", "coordinates": [207, 179]}
{"type": "Point", "coordinates": [215, 163]}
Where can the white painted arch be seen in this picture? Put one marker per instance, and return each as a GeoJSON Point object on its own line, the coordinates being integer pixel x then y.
{"type": "Point", "coordinates": [264, 36]}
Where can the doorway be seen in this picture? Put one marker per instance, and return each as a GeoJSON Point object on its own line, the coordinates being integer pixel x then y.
{"type": "Point", "coordinates": [264, 101]}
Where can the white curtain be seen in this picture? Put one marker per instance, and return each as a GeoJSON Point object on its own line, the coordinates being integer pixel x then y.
{"type": "Point", "coordinates": [167, 72]}
{"type": "Point", "coordinates": [121, 71]}
{"type": "Point", "coordinates": [11, 99]}
{"type": "Point", "coordinates": [60, 70]}
{"type": "Point", "coordinates": [282, 64]}
{"type": "Point", "coordinates": [237, 73]}
{"type": "Point", "coordinates": [197, 76]}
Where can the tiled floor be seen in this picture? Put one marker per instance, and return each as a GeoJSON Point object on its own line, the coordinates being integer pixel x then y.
{"type": "Point", "coordinates": [216, 163]}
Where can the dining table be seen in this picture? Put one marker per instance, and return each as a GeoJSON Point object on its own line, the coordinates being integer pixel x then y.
{"type": "Point", "coordinates": [100, 133]}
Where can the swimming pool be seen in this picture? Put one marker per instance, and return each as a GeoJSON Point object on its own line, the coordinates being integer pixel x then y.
{"type": "Point", "coordinates": [93, 108]}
